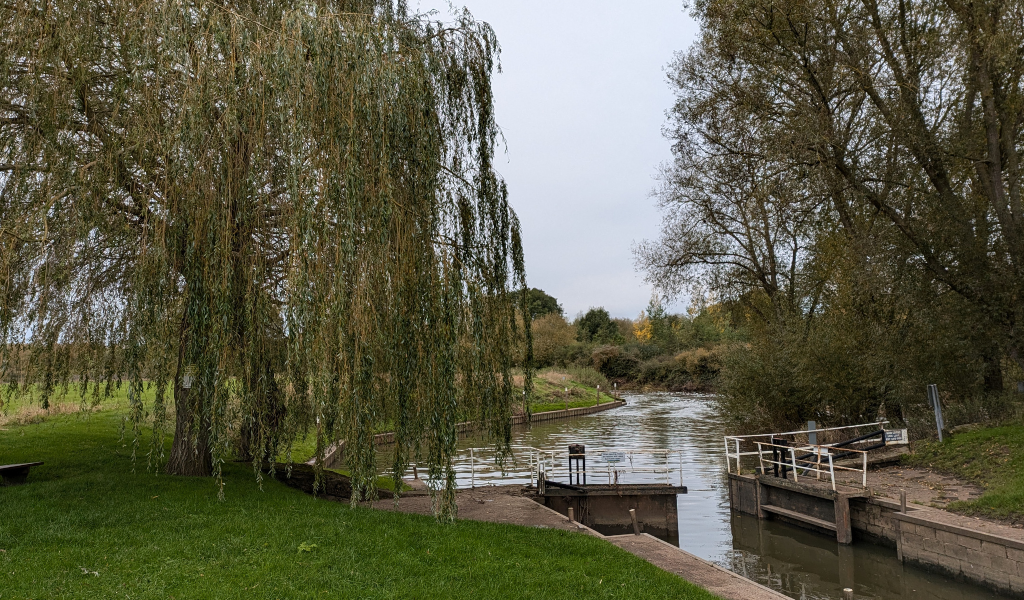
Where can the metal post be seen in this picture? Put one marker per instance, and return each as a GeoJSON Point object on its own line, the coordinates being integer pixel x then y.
{"type": "Point", "coordinates": [472, 469]}
{"type": "Point", "coordinates": [572, 517]}
{"type": "Point", "coordinates": [760, 457]}
{"type": "Point", "coordinates": [792, 456]}
{"type": "Point", "coordinates": [864, 479]}
{"type": "Point", "coordinates": [831, 472]}
{"type": "Point", "coordinates": [738, 457]}
{"type": "Point", "coordinates": [812, 435]}
{"type": "Point", "coordinates": [728, 459]}
{"type": "Point", "coordinates": [636, 525]}
{"type": "Point", "coordinates": [933, 401]}
{"type": "Point", "coordinates": [903, 501]}
{"type": "Point", "coordinates": [847, 594]}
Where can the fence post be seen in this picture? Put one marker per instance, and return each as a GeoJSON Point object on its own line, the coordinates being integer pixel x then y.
{"type": "Point", "coordinates": [792, 456]}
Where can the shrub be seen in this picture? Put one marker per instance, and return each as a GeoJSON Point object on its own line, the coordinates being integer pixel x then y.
{"type": "Point", "coordinates": [664, 371]}
{"type": "Point", "coordinates": [613, 363]}
{"type": "Point", "coordinates": [702, 364]}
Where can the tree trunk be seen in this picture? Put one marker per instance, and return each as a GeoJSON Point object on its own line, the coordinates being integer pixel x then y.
{"type": "Point", "coordinates": [993, 372]}
{"type": "Point", "coordinates": [188, 459]}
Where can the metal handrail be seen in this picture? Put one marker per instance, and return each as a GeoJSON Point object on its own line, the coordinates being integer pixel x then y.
{"type": "Point", "coordinates": [820, 451]}
{"type": "Point", "coordinates": [545, 460]}
{"type": "Point", "coordinates": [737, 440]}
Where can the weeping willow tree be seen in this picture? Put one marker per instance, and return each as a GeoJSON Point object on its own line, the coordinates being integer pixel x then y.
{"type": "Point", "coordinates": [281, 215]}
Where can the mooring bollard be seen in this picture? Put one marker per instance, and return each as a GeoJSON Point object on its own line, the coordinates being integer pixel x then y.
{"type": "Point", "coordinates": [572, 516]}
{"type": "Point", "coordinates": [847, 594]}
{"type": "Point", "coordinates": [903, 501]}
{"type": "Point", "coordinates": [632, 517]}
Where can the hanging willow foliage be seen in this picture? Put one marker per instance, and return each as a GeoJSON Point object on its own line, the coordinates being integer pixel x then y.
{"type": "Point", "coordinates": [285, 207]}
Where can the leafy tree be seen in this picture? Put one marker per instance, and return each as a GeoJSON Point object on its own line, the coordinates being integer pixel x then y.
{"type": "Point", "coordinates": [541, 304]}
{"type": "Point", "coordinates": [596, 326]}
{"type": "Point", "coordinates": [552, 339]}
{"type": "Point", "coordinates": [849, 171]}
{"type": "Point", "coordinates": [284, 207]}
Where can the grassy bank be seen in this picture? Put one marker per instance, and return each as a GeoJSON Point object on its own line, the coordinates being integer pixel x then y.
{"type": "Point", "coordinates": [87, 526]}
{"type": "Point", "coordinates": [550, 385]}
{"type": "Point", "coordinates": [991, 457]}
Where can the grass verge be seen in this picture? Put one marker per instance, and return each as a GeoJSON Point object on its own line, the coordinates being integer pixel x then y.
{"type": "Point", "coordinates": [992, 458]}
{"type": "Point", "coordinates": [89, 526]}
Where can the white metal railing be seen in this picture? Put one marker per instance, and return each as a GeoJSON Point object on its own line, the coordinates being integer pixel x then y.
{"type": "Point", "coordinates": [811, 460]}
{"type": "Point", "coordinates": [739, 446]}
{"type": "Point", "coordinates": [608, 463]}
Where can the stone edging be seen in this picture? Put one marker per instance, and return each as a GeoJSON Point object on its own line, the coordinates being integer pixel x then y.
{"type": "Point", "coordinates": [957, 529]}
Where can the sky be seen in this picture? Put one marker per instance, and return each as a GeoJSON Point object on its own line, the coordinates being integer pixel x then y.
{"type": "Point", "coordinates": [581, 102]}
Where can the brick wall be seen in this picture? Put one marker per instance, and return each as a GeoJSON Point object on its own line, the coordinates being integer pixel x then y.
{"type": "Point", "coordinates": [994, 561]}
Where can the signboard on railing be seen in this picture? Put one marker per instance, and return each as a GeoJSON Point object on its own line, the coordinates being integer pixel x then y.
{"type": "Point", "coordinates": [896, 437]}
{"type": "Point", "coordinates": [613, 457]}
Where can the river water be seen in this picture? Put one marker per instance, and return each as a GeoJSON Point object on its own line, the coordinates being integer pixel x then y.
{"type": "Point", "coordinates": [794, 561]}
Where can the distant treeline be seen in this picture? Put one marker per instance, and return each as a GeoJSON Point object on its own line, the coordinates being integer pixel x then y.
{"type": "Point", "coordinates": [680, 352]}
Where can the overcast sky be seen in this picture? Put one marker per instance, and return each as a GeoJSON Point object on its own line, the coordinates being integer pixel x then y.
{"type": "Point", "coordinates": [581, 101]}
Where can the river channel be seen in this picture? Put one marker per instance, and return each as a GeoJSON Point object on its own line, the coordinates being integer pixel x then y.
{"type": "Point", "coordinates": [796, 562]}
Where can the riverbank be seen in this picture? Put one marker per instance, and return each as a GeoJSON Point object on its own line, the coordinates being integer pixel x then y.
{"type": "Point", "coordinates": [991, 459]}
{"type": "Point", "coordinates": [87, 526]}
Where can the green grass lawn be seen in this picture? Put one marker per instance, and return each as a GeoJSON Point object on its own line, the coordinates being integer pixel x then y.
{"type": "Point", "coordinates": [87, 526]}
{"type": "Point", "coordinates": [992, 457]}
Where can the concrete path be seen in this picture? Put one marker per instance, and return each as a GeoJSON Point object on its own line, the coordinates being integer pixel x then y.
{"type": "Point", "coordinates": [709, 576]}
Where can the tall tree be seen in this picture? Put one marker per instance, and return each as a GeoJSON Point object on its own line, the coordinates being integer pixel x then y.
{"type": "Point", "coordinates": [911, 111]}
{"type": "Point", "coordinates": [281, 206]}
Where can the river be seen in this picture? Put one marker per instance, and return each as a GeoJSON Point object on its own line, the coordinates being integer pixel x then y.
{"type": "Point", "coordinates": [796, 562]}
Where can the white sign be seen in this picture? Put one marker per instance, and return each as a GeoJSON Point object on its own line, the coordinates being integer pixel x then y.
{"type": "Point", "coordinates": [188, 377]}
{"type": "Point", "coordinates": [896, 436]}
{"type": "Point", "coordinates": [613, 457]}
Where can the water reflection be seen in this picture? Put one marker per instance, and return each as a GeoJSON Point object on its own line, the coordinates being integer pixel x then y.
{"type": "Point", "coordinates": [798, 563]}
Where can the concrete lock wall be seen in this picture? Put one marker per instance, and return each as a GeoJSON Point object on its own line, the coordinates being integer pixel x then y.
{"type": "Point", "coordinates": [609, 514]}
{"type": "Point", "coordinates": [933, 540]}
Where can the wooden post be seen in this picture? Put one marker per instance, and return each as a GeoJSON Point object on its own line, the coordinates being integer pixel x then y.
{"type": "Point", "coordinates": [844, 532]}
{"type": "Point", "coordinates": [572, 517]}
{"type": "Point", "coordinates": [847, 594]}
{"type": "Point", "coordinates": [903, 501]}
{"type": "Point", "coordinates": [636, 525]}
{"type": "Point", "coordinates": [758, 497]}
